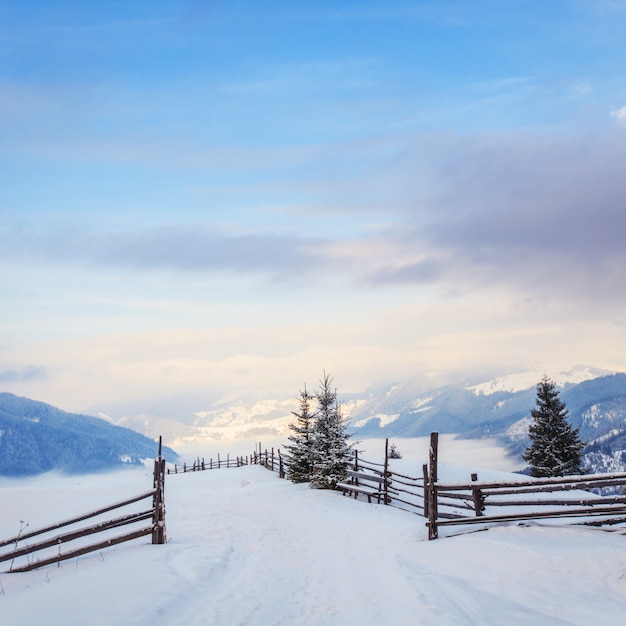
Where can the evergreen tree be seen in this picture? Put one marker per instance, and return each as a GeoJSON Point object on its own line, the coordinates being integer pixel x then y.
{"type": "Point", "coordinates": [394, 453]}
{"type": "Point", "coordinates": [299, 457]}
{"type": "Point", "coordinates": [555, 448]}
{"type": "Point", "coordinates": [331, 451]}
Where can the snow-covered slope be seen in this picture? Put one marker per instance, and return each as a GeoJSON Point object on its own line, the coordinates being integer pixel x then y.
{"type": "Point", "coordinates": [247, 548]}
{"type": "Point", "coordinates": [520, 381]}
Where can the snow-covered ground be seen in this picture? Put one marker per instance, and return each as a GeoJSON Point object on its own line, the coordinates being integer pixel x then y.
{"type": "Point", "coordinates": [246, 548]}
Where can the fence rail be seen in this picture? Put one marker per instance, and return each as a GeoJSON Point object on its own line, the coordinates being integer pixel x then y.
{"type": "Point", "coordinates": [473, 502]}
{"type": "Point", "coordinates": [200, 465]}
{"type": "Point", "coordinates": [155, 514]}
{"type": "Point", "coordinates": [398, 490]}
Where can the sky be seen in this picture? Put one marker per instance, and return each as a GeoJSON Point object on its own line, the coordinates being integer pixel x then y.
{"type": "Point", "coordinates": [223, 198]}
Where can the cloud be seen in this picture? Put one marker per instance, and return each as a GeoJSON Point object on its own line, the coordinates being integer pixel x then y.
{"type": "Point", "coordinates": [187, 248]}
{"type": "Point", "coordinates": [25, 374]}
{"type": "Point", "coordinates": [620, 116]}
{"type": "Point", "coordinates": [535, 214]}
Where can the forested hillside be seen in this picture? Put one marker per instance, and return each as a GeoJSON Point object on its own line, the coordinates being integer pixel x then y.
{"type": "Point", "coordinates": [36, 437]}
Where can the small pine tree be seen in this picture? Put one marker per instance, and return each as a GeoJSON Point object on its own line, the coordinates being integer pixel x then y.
{"type": "Point", "coordinates": [555, 448]}
{"type": "Point", "coordinates": [394, 453]}
{"type": "Point", "coordinates": [331, 451]}
{"type": "Point", "coordinates": [299, 457]}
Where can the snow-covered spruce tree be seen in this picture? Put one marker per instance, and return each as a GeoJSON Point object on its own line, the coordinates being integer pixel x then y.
{"type": "Point", "coordinates": [555, 448]}
{"type": "Point", "coordinates": [331, 450]}
{"type": "Point", "coordinates": [299, 457]}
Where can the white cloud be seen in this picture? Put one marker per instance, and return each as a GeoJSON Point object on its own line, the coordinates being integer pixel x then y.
{"type": "Point", "coordinates": [620, 116]}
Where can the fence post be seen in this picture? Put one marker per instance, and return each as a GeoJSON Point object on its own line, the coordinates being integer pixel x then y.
{"type": "Point", "coordinates": [281, 469]}
{"type": "Point", "coordinates": [425, 480]}
{"type": "Point", "coordinates": [477, 496]}
{"type": "Point", "coordinates": [432, 486]}
{"type": "Point", "coordinates": [158, 500]}
{"type": "Point", "coordinates": [386, 473]}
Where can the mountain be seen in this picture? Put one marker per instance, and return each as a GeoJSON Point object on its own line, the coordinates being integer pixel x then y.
{"type": "Point", "coordinates": [500, 408]}
{"type": "Point", "coordinates": [36, 437]}
{"type": "Point", "coordinates": [477, 408]}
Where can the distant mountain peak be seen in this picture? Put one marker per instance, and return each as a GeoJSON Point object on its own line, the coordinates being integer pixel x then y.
{"type": "Point", "coordinates": [521, 381]}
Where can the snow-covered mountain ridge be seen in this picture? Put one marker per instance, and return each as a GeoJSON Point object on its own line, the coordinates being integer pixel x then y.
{"type": "Point", "coordinates": [499, 407]}
{"type": "Point", "coordinates": [521, 381]}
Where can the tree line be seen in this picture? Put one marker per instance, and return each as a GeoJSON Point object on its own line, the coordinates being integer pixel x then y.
{"type": "Point", "coordinates": [319, 451]}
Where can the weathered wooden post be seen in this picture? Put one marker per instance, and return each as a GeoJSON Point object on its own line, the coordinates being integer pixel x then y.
{"type": "Point", "coordinates": [425, 480]}
{"type": "Point", "coordinates": [477, 496]}
{"type": "Point", "coordinates": [281, 469]}
{"type": "Point", "coordinates": [432, 486]}
{"type": "Point", "coordinates": [386, 473]}
{"type": "Point", "coordinates": [158, 500]}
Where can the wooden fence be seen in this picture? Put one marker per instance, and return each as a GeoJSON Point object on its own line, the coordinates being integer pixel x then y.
{"type": "Point", "coordinates": [473, 502]}
{"type": "Point", "coordinates": [487, 503]}
{"type": "Point", "coordinates": [491, 503]}
{"type": "Point", "coordinates": [49, 550]}
{"type": "Point", "coordinates": [369, 479]}
{"type": "Point", "coordinates": [269, 459]}
{"type": "Point", "coordinates": [200, 465]}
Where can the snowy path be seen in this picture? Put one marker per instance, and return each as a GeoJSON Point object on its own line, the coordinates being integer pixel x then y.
{"type": "Point", "coordinates": [246, 548]}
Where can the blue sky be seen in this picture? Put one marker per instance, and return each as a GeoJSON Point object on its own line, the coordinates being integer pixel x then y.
{"type": "Point", "coordinates": [228, 197]}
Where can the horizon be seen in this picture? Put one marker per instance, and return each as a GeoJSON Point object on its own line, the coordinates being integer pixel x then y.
{"type": "Point", "coordinates": [210, 201]}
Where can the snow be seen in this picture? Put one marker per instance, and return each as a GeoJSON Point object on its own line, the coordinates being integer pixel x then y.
{"type": "Point", "coordinates": [245, 547]}
{"type": "Point", "coordinates": [521, 381]}
{"type": "Point", "coordinates": [384, 418]}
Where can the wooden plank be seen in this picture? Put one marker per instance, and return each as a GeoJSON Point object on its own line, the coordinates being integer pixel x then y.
{"type": "Point", "coordinates": [419, 494]}
{"type": "Point", "coordinates": [413, 504]}
{"type": "Point", "coordinates": [518, 517]}
{"type": "Point", "coordinates": [583, 486]}
{"type": "Point", "coordinates": [125, 520]}
{"type": "Point", "coordinates": [371, 463]}
{"type": "Point", "coordinates": [86, 550]}
{"type": "Point", "coordinates": [359, 488]}
{"type": "Point", "coordinates": [577, 502]}
{"type": "Point", "coordinates": [591, 479]}
{"type": "Point", "coordinates": [415, 482]}
{"type": "Point", "coordinates": [80, 518]}
{"type": "Point", "coordinates": [362, 476]}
